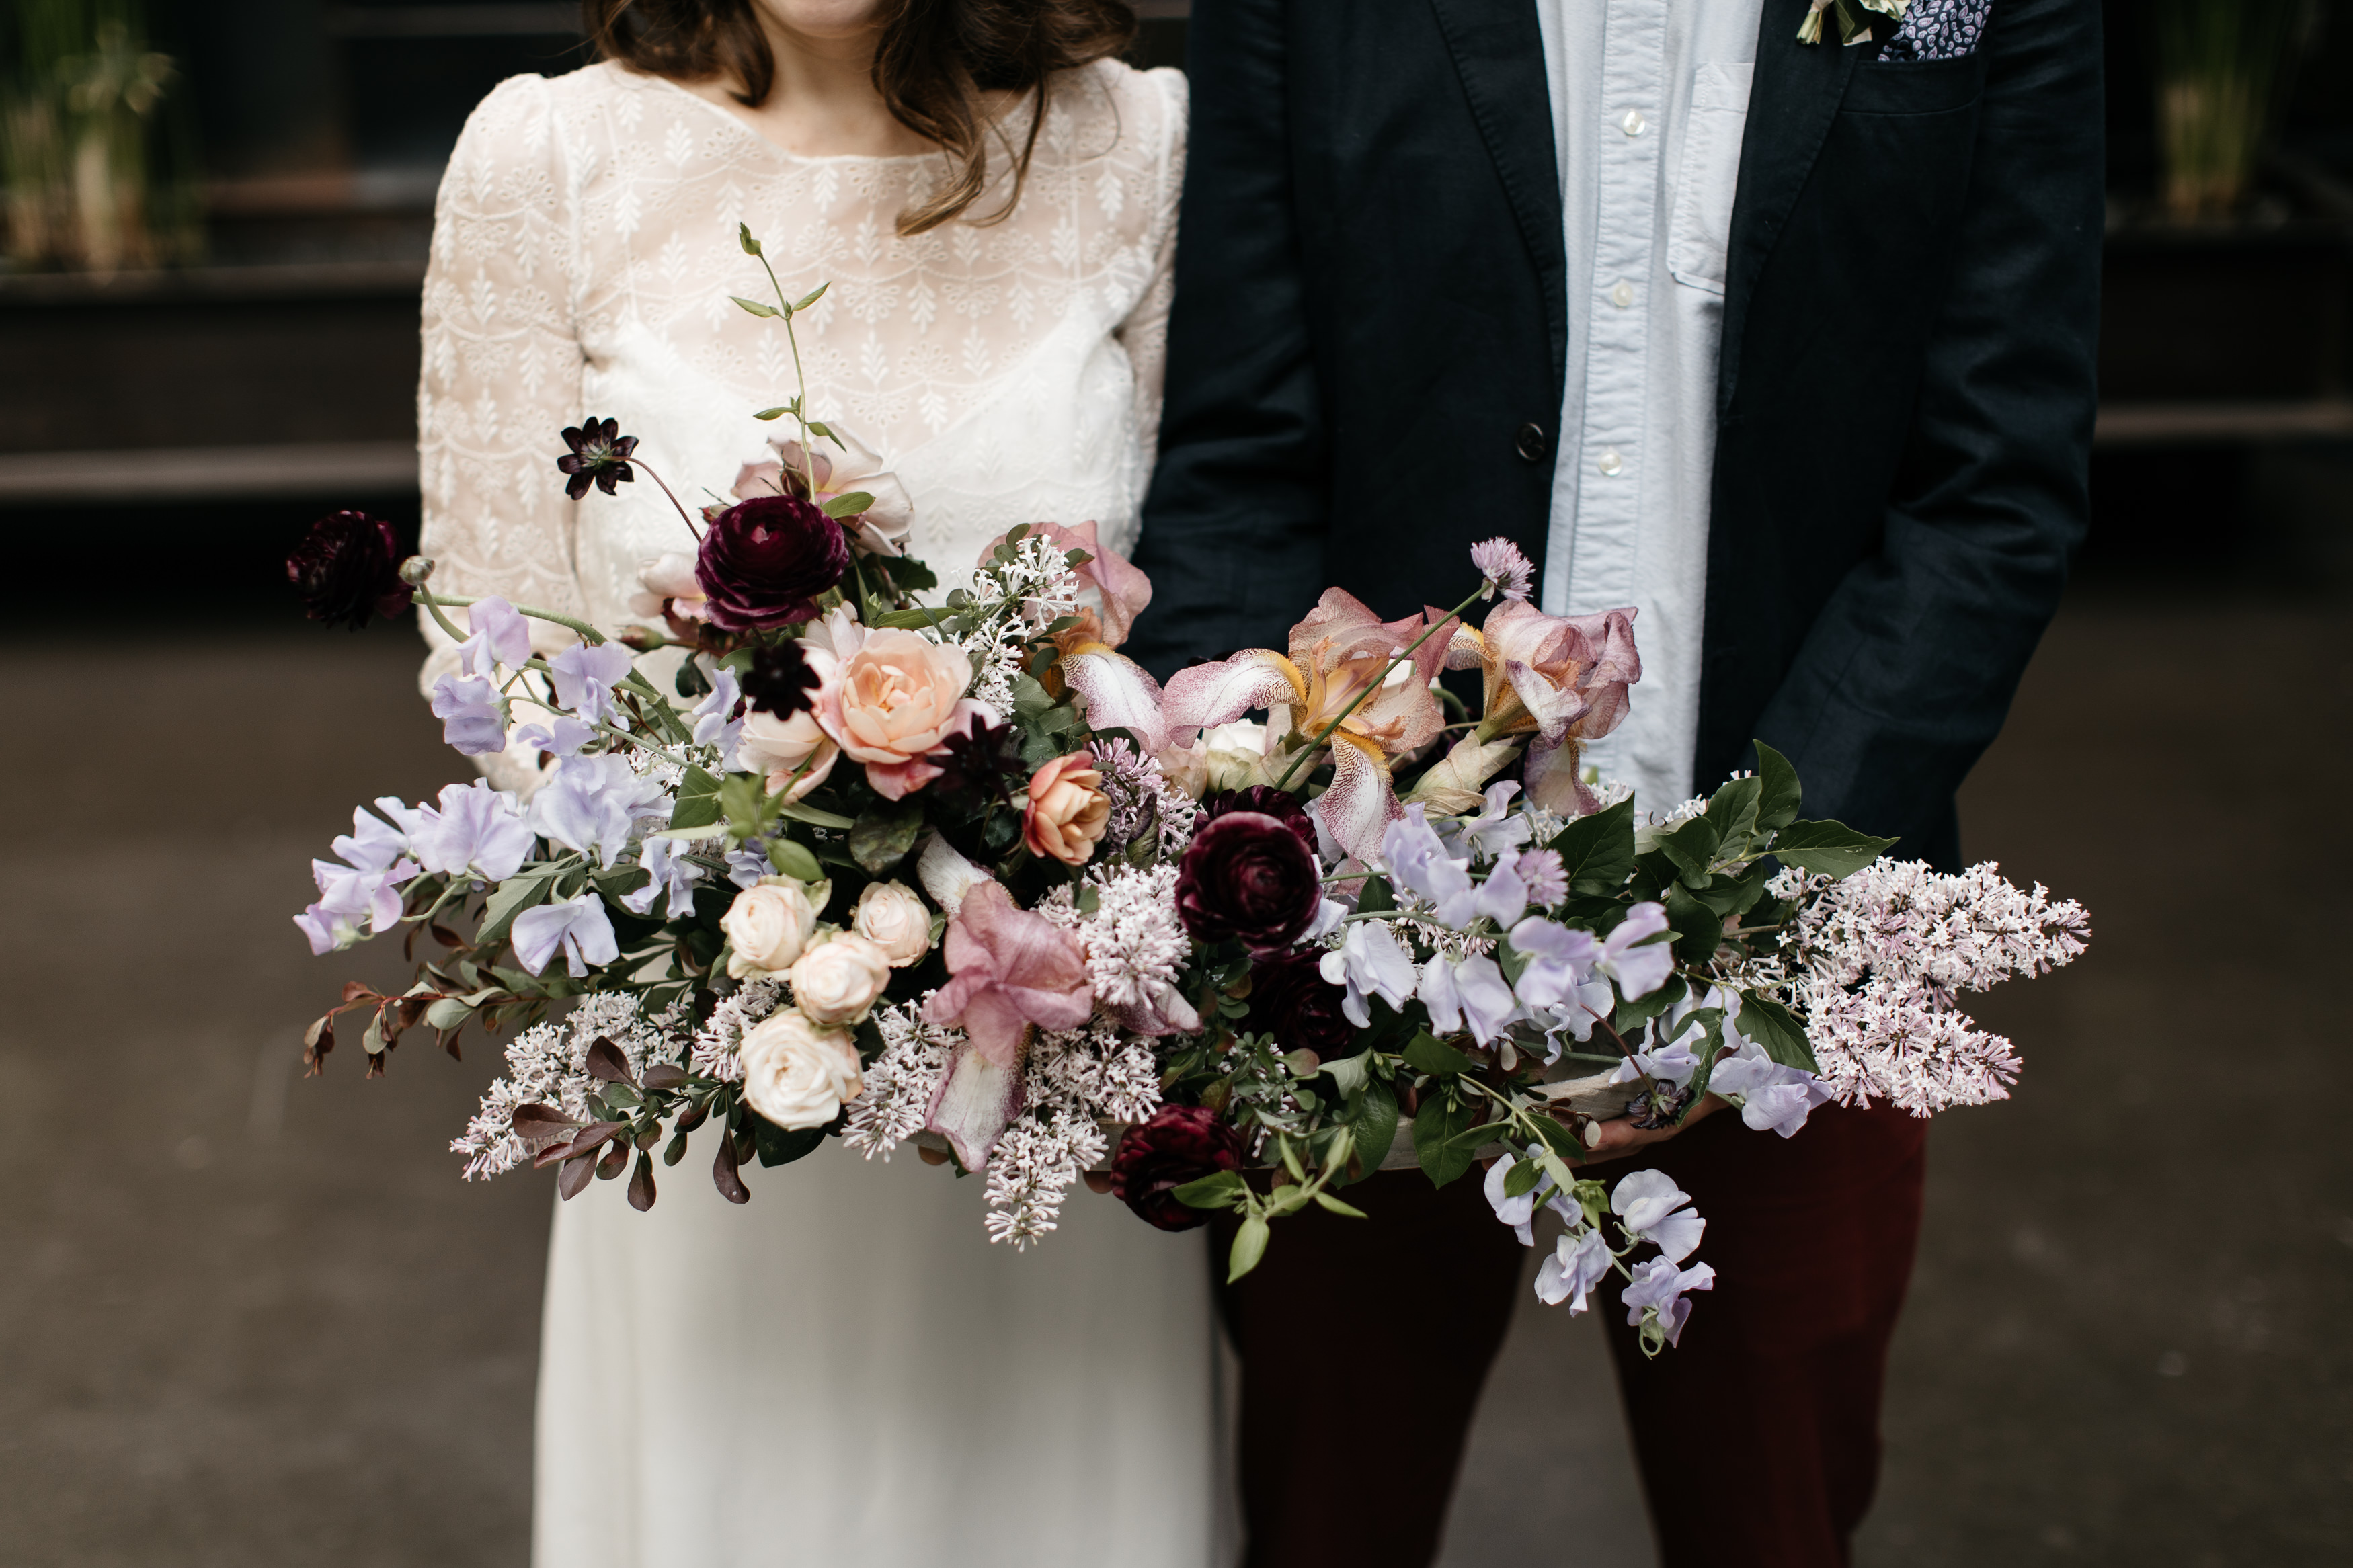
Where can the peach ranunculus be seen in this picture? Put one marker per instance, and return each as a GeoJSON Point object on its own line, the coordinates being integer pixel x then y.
{"type": "Point", "coordinates": [842, 465]}
{"type": "Point", "coordinates": [1068, 810]}
{"type": "Point", "coordinates": [1338, 664]}
{"type": "Point", "coordinates": [892, 703]}
{"type": "Point", "coordinates": [1561, 681]}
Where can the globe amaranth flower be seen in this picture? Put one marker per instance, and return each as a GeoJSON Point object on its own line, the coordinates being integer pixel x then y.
{"type": "Point", "coordinates": [348, 568]}
{"type": "Point", "coordinates": [764, 562]}
{"type": "Point", "coordinates": [780, 680]}
{"type": "Point", "coordinates": [599, 457]}
{"type": "Point", "coordinates": [1247, 876]}
{"type": "Point", "coordinates": [1181, 1143]}
{"type": "Point", "coordinates": [1291, 1000]}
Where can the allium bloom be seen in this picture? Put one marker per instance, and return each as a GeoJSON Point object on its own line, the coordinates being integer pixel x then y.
{"type": "Point", "coordinates": [798, 1073]}
{"type": "Point", "coordinates": [1502, 569]}
{"type": "Point", "coordinates": [599, 456]}
{"type": "Point", "coordinates": [1651, 1206]}
{"type": "Point", "coordinates": [1181, 1143]}
{"type": "Point", "coordinates": [1247, 876]}
{"type": "Point", "coordinates": [348, 568]}
{"type": "Point", "coordinates": [1291, 1000]}
{"type": "Point", "coordinates": [764, 561]}
{"type": "Point", "coordinates": [578, 926]}
{"type": "Point", "coordinates": [897, 700]}
{"type": "Point", "coordinates": [1562, 682]}
{"type": "Point", "coordinates": [1658, 1289]}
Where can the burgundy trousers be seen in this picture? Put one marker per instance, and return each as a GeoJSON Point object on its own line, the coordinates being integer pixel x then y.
{"type": "Point", "coordinates": [1758, 1437]}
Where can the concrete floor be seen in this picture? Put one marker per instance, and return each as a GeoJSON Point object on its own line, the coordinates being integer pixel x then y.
{"type": "Point", "coordinates": [258, 1321]}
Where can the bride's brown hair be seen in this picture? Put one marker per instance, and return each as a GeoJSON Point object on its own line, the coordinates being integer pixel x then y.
{"type": "Point", "coordinates": [934, 65]}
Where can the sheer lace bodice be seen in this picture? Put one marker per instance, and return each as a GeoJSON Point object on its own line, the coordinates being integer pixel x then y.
{"type": "Point", "coordinates": [584, 248]}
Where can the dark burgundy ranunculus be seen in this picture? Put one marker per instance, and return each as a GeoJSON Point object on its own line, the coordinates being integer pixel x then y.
{"type": "Point", "coordinates": [764, 561]}
{"type": "Point", "coordinates": [1181, 1143]}
{"type": "Point", "coordinates": [599, 457]}
{"type": "Point", "coordinates": [1247, 875]}
{"type": "Point", "coordinates": [348, 567]}
{"type": "Point", "coordinates": [779, 680]}
{"type": "Point", "coordinates": [1291, 1000]}
{"type": "Point", "coordinates": [1274, 802]}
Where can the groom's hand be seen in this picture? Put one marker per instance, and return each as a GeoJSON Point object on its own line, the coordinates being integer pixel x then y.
{"type": "Point", "coordinates": [1620, 1137]}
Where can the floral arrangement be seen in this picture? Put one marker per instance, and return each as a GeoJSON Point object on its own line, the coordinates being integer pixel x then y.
{"type": "Point", "coordinates": [810, 858]}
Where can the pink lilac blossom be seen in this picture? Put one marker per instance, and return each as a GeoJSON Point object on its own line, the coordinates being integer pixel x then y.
{"type": "Point", "coordinates": [1502, 569]}
{"type": "Point", "coordinates": [547, 1065]}
{"type": "Point", "coordinates": [713, 1052]}
{"type": "Point", "coordinates": [902, 1082]}
{"type": "Point", "coordinates": [1137, 947]}
{"type": "Point", "coordinates": [1143, 800]}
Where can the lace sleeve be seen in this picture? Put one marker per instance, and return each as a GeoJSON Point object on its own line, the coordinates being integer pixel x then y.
{"type": "Point", "coordinates": [1145, 332]}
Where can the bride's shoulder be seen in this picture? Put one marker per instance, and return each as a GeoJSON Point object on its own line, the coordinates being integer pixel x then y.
{"type": "Point", "coordinates": [1112, 109]}
{"type": "Point", "coordinates": [532, 105]}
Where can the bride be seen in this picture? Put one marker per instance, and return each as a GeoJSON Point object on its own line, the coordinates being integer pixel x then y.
{"type": "Point", "coordinates": [844, 1372]}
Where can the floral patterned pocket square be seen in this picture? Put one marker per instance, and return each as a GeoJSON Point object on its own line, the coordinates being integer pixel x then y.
{"type": "Point", "coordinates": [1924, 29]}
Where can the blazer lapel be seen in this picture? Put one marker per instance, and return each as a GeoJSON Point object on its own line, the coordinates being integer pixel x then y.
{"type": "Point", "coordinates": [1791, 100]}
{"type": "Point", "coordinates": [1499, 54]}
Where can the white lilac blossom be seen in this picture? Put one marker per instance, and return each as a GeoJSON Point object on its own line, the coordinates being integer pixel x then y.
{"type": "Point", "coordinates": [467, 707]}
{"type": "Point", "coordinates": [1658, 1289]}
{"type": "Point", "coordinates": [672, 873]}
{"type": "Point", "coordinates": [1579, 1261]}
{"type": "Point", "coordinates": [1370, 962]}
{"type": "Point", "coordinates": [476, 829]}
{"type": "Point", "coordinates": [547, 1065]}
{"type": "Point", "coordinates": [578, 926]}
{"type": "Point", "coordinates": [1771, 1096]}
{"type": "Point", "coordinates": [1030, 1170]}
{"type": "Point", "coordinates": [902, 1082]}
{"type": "Point", "coordinates": [1143, 800]}
{"type": "Point", "coordinates": [1136, 946]}
{"type": "Point", "coordinates": [597, 803]}
{"type": "Point", "coordinates": [1114, 1074]}
{"type": "Point", "coordinates": [1470, 995]}
{"type": "Point", "coordinates": [501, 636]}
{"type": "Point", "coordinates": [714, 1053]}
{"type": "Point", "coordinates": [715, 723]}
{"type": "Point", "coordinates": [585, 676]}
{"type": "Point", "coordinates": [1654, 1209]}
{"type": "Point", "coordinates": [1502, 569]}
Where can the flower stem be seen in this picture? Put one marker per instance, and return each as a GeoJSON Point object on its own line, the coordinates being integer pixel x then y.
{"type": "Point", "coordinates": [434, 602]}
{"type": "Point", "coordinates": [682, 513]}
{"type": "Point", "coordinates": [800, 381]}
{"type": "Point", "coordinates": [1356, 701]}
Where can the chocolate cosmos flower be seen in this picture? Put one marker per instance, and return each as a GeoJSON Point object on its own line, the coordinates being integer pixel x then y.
{"type": "Point", "coordinates": [764, 561]}
{"type": "Point", "coordinates": [980, 768]}
{"type": "Point", "coordinates": [780, 680]}
{"type": "Point", "coordinates": [1291, 1000]}
{"type": "Point", "coordinates": [599, 456]}
{"type": "Point", "coordinates": [1181, 1143]}
{"type": "Point", "coordinates": [348, 567]}
{"type": "Point", "coordinates": [1247, 875]}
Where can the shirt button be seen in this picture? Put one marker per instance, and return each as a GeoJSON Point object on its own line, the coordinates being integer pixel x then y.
{"type": "Point", "coordinates": [1633, 124]}
{"type": "Point", "coordinates": [1623, 295]}
{"type": "Point", "coordinates": [1530, 442]}
{"type": "Point", "coordinates": [1612, 465]}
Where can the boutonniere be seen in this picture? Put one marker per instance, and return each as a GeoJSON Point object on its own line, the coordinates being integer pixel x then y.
{"type": "Point", "coordinates": [1853, 29]}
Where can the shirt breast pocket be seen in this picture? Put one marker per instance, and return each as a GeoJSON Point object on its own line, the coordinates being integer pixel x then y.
{"type": "Point", "coordinates": [1705, 180]}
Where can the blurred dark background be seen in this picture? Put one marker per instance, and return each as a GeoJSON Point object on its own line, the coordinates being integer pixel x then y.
{"type": "Point", "coordinates": [256, 1321]}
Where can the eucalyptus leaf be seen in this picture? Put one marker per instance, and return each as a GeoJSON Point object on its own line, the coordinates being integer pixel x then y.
{"type": "Point", "coordinates": [850, 503]}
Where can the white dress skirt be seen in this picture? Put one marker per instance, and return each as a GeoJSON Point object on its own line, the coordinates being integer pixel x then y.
{"type": "Point", "coordinates": [845, 1370]}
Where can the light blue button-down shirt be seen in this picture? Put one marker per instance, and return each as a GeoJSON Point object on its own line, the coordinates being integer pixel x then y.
{"type": "Point", "coordinates": [1649, 101]}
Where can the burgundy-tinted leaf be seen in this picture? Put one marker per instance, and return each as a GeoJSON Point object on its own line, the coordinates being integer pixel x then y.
{"type": "Point", "coordinates": [587, 1141]}
{"type": "Point", "coordinates": [641, 1184]}
{"type": "Point", "coordinates": [692, 1117]}
{"type": "Point", "coordinates": [607, 1062]}
{"type": "Point", "coordinates": [357, 991]}
{"type": "Point", "coordinates": [575, 1175]}
{"type": "Point", "coordinates": [616, 1161]}
{"type": "Point", "coordinates": [317, 1041]}
{"type": "Point", "coordinates": [722, 1174]}
{"type": "Point", "coordinates": [664, 1075]}
{"type": "Point", "coordinates": [540, 1125]}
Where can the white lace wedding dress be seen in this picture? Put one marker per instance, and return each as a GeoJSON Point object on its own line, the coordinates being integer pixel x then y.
{"type": "Point", "coordinates": [844, 1370]}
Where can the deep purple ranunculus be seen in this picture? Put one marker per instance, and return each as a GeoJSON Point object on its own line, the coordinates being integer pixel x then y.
{"type": "Point", "coordinates": [764, 561]}
{"type": "Point", "coordinates": [1247, 875]}
{"type": "Point", "coordinates": [347, 568]}
{"type": "Point", "coordinates": [1273, 802]}
{"type": "Point", "coordinates": [1291, 1000]}
{"type": "Point", "coordinates": [1181, 1143]}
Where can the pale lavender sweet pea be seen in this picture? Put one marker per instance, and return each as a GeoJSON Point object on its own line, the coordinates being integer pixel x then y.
{"type": "Point", "coordinates": [1472, 994]}
{"type": "Point", "coordinates": [372, 845]}
{"type": "Point", "coordinates": [1658, 1287]}
{"type": "Point", "coordinates": [1639, 966]}
{"type": "Point", "coordinates": [502, 636]}
{"type": "Point", "coordinates": [585, 675]}
{"type": "Point", "coordinates": [1418, 862]}
{"type": "Point", "coordinates": [1519, 1212]}
{"type": "Point", "coordinates": [595, 803]}
{"type": "Point", "coordinates": [1559, 979]}
{"type": "Point", "coordinates": [578, 925]}
{"type": "Point", "coordinates": [562, 736]}
{"type": "Point", "coordinates": [1771, 1096]}
{"type": "Point", "coordinates": [326, 930]}
{"type": "Point", "coordinates": [1651, 1206]}
{"type": "Point", "coordinates": [477, 829]}
{"type": "Point", "coordinates": [746, 865]}
{"type": "Point", "coordinates": [1369, 963]}
{"type": "Point", "coordinates": [1579, 1261]}
{"type": "Point", "coordinates": [672, 873]}
{"type": "Point", "coordinates": [467, 707]}
{"type": "Point", "coordinates": [1672, 1063]}
{"type": "Point", "coordinates": [1495, 831]}
{"type": "Point", "coordinates": [715, 723]}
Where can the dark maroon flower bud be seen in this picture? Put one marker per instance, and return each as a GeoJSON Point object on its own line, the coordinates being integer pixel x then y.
{"type": "Point", "coordinates": [599, 456]}
{"type": "Point", "coordinates": [347, 568]}
{"type": "Point", "coordinates": [1273, 802]}
{"type": "Point", "coordinates": [1181, 1143]}
{"type": "Point", "coordinates": [779, 680]}
{"type": "Point", "coordinates": [764, 561]}
{"type": "Point", "coordinates": [1291, 1000]}
{"type": "Point", "coordinates": [980, 768]}
{"type": "Point", "coordinates": [1246, 875]}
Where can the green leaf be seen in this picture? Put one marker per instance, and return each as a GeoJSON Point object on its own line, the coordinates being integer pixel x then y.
{"type": "Point", "coordinates": [769, 412]}
{"type": "Point", "coordinates": [1212, 1192]}
{"type": "Point", "coordinates": [753, 306]}
{"type": "Point", "coordinates": [743, 237]}
{"type": "Point", "coordinates": [1733, 810]}
{"type": "Point", "coordinates": [1375, 1126]}
{"type": "Point", "coordinates": [698, 800]}
{"type": "Point", "coordinates": [1691, 846]}
{"type": "Point", "coordinates": [1561, 1144]}
{"type": "Point", "coordinates": [1029, 699]}
{"type": "Point", "coordinates": [508, 899]}
{"type": "Point", "coordinates": [1635, 1011]}
{"type": "Point", "coordinates": [802, 811]}
{"type": "Point", "coordinates": [1699, 929]}
{"type": "Point", "coordinates": [1350, 1074]}
{"type": "Point", "coordinates": [1249, 1246]}
{"type": "Point", "coordinates": [850, 503]}
{"type": "Point", "coordinates": [883, 833]}
{"type": "Point", "coordinates": [1523, 1177]}
{"type": "Point", "coordinates": [813, 296]}
{"type": "Point", "coordinates": [781, 1146]}
{"type": "Point", "coordinates": [1775, 1028]}
{"type": "Point", "coordinates": [447, 1013]}
{"type": "Point", "coordinates": [793, 859]}
{"type": "Point", "coordinates": [1376, 896]}
{"type": "Point", "coordinates": [1427, 1053]}
{"type": "Point", "coordinates": [1598, 849]}
{"type": "Point", "coordinates": [1777, 799]}
{"type": "Point", "coordinates": [1827, 849]}
{"type": "Point", "coordinates": [1325, 1200]}
{"type": "Point", "coordinates": [1438, 1128]}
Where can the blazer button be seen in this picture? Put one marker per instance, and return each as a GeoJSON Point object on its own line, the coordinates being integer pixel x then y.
{"type": "Point", "coordinates": [1530, 441]}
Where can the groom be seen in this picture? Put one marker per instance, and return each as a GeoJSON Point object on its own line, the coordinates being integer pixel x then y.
{"type": "Point", "coordinates": [1786, 343]}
